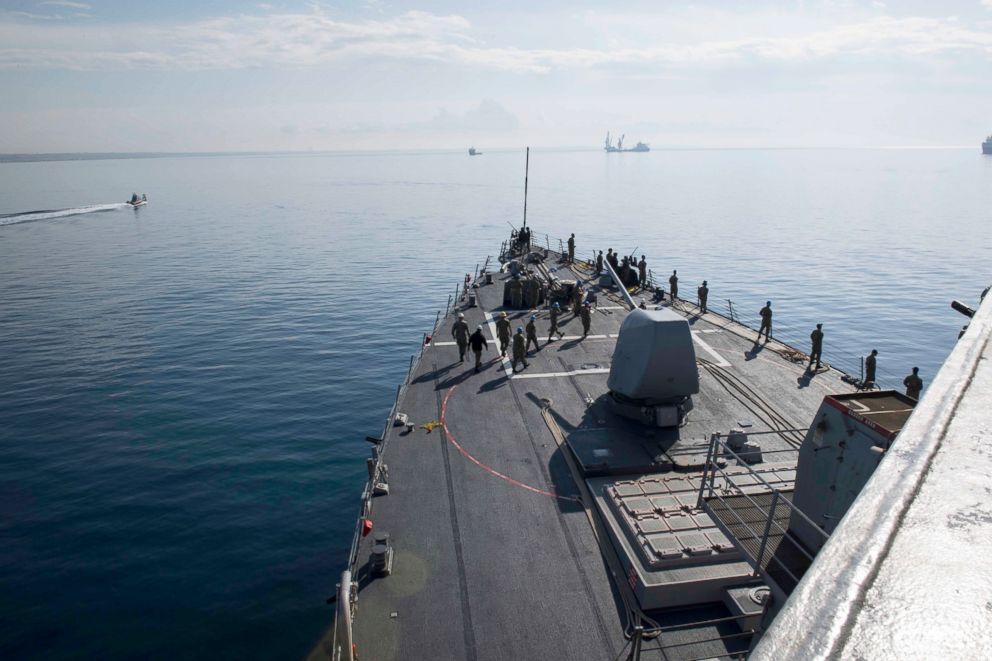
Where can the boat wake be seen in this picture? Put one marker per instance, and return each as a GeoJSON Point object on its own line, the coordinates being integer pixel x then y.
{"type": "Point", "coordinates": [49, 214]}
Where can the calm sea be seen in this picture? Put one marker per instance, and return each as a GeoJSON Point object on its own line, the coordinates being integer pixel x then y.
{"type": "Point", "coordinates": [185, 387]}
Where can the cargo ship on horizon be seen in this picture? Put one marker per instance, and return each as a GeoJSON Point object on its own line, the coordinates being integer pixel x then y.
{"type": "Point", "coordinates": [609, 147]}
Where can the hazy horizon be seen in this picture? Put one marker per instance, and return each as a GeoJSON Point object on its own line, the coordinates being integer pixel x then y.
{"type": "Point", "coordinates": [219, 76]}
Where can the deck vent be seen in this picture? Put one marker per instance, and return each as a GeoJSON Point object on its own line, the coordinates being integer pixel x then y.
{"type": "Point", "coordinates": [747, 604]}
{"type": "Point", "coordinates": [381, 560]}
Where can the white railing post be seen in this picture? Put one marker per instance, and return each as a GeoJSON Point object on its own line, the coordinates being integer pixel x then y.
{"type": "Point", "coordinates": [343, 633]}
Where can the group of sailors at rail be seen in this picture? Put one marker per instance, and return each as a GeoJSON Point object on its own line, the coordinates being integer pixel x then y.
{"type": "Point", "coordinates": [633, 273]}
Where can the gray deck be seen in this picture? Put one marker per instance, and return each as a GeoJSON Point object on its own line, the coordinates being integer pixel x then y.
{"type": "Point", "coordinates": [494, 556]}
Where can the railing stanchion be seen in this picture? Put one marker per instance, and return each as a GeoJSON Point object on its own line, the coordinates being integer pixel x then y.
{"type": "Point", "coordinates": [343, 632]}
{"type": "Point", "coordinates": [764, 536]}
{"type": "Point", "coordinates": [706, 468]}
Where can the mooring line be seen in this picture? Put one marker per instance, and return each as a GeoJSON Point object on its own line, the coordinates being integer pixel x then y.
{"type": "Point", "coordinates": [485, 467]}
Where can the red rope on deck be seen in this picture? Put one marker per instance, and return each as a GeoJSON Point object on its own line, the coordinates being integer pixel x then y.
{"type": "Point", "coordinates": [489, 469]}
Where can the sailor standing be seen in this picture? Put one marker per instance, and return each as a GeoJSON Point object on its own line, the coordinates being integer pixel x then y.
{"type": "Point", "coordinates": [766, 321]}
{"type": "Point", "coordinates": [642, 272]}
{"type": "Point", "coordinates": [478, 343]}
{"type": "Point", "coordinates": [555, 311]}
{"type": "Point", "coordinates": [703, 292]}
{"type": "Point", "coordinates": [459, 331]}
{"type": "Point", "coordinates": [524, 239]}
{"type": "Point", "coordinates": [503, 333]}
{"type": "Point", "coordinates": [673, 283]}
{"type": "Point", "coordinates": [586, 319]}
{"type": "Point", "coordinates": [870, 369]}
{"type": "Point", "coordinates": [571, 248]}
{"type": "Point", "coordinates": [532, 333]}
{"type": "Point", "coordinates": [816, 350]}
{"type": "Point", "coordinates": [577, 295]}
{"type": "Point", "coordinates": [519, 349]}
{"type": "Point", "coordinates": [913, 383]}
{"type": "Point", "coordinates": [599, 262]}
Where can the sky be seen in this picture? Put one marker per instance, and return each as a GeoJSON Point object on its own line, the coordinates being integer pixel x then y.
{"type": "Point", "coordinates": [214, 75]}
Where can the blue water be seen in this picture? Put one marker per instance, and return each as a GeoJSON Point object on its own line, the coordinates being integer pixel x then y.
{"type": "Point", "coordinates": [185, 387]}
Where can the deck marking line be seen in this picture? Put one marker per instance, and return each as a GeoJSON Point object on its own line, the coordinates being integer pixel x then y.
{"type": "Point", "coordinates": [549, 375]}
{"type": "Point", "coordinates": [490, 469]}
{"type": "Point", "coordinates": [720, 360]}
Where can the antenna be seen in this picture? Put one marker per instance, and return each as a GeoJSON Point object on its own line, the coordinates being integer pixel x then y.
{"type": "Point", "coordinates": [526, 175]}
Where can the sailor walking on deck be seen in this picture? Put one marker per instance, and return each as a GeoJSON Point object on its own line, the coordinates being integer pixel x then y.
{"type": "Point", "coordinates": [571, 248]}
{"type": "Point", "coordinates": [519, 349]}
{"type": "Point", "coordinates": [586, 318]}
{"type": "Point", "coordinates": [673, 283]}
{"type": "Point", "coordinates": [642, 272]}
{"type": "Point", "coordinates": [478, 342]}
{"type": "Point", "coordinates": [870, 363]}
{"type": "Point", "coordinates": [913, 383]}
{"type": "Point", "coordinates": [503, 333]}
{"type": "Point", "coordinates": [703, 293]}
{"type": "Point", "coordinates": [766, 321]}
{"type": "Point", "coordinates": [555, 311]}
{"type": "Point", "coordinates": [532, 333]}
{"type": "Point", "coordinates": [816, 348]}
{"type": "Point", "coordinates": [459, 331]}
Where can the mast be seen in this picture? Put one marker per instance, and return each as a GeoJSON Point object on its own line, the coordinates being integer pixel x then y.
{"type": "Point", "coordinates": [526, 175]}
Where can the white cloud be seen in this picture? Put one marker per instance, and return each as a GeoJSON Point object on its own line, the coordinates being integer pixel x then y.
{"type": "Point", "coordinates": [66, 3]}
{"type": "Point", "coordinates": [313, 39]}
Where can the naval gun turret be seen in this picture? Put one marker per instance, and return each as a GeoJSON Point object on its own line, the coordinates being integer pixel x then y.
{"type": "Point", "coordinates": [654, 374]}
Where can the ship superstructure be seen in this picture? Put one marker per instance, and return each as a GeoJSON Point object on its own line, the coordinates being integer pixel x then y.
{"type": "Point", "coordinates": [987, 145]}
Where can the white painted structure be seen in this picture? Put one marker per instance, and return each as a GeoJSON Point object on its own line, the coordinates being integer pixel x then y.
{"type": "Point", "coordinates": [907, 574]}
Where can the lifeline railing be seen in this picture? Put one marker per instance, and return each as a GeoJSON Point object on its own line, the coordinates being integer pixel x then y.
{"type": "Point", "coordinates": [656, 643]}
{"type": "Point", "coordinates": [709, 493]}
{"type": "Point", "coordinates": [342, 642]}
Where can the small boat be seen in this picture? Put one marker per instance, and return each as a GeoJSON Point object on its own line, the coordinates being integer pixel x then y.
{"type": "Point", "coordinates": [135, 201]}
{"type": "Point", "coordinates": [473, 152]}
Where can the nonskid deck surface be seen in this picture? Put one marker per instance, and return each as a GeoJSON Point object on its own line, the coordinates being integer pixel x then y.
{"type": "Point", "coordinates": [495, 556]}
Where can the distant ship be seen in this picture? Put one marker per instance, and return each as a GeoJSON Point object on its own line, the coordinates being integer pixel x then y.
{"type": "Point", "coordinates": [987, 145]}
{"type": "Point", "coordinates": [610, 147]}
{"type": "Point", "coordinates": [473, 152]}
